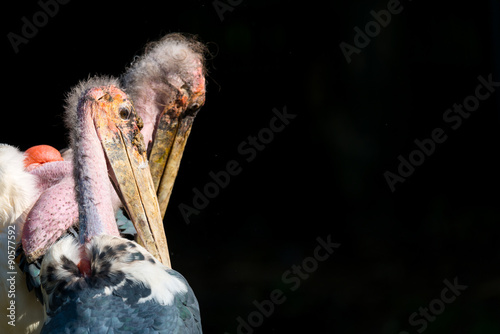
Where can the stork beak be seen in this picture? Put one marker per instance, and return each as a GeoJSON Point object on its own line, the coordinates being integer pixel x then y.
{"type": "Point", "coordinates": [166, 153]}
{"type": "Point", "coordinates": [169, 140]}
{"type": "Point", "coordinates": [131, 177]}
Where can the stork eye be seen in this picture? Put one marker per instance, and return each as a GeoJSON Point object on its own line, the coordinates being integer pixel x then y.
{"type": "Point", "coordinates": [124, 113]}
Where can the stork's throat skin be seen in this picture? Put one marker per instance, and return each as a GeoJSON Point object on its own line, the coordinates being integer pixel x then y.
{"type": "Point", "coordinates": [92, 181]}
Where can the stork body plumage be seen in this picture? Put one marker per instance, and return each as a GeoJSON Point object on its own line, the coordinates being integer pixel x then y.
{"type": "Point", "coordinates": [17, 186]}
{"type": "Point", "coordinates": [103, 283]}
{"type": "Point", "coordinates": [128, 291]}
{"type": "Point", "coordinates": [36, 189]}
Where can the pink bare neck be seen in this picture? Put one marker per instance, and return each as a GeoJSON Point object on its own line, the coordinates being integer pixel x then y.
{"type": "Point", "coordinates": [92, 183]}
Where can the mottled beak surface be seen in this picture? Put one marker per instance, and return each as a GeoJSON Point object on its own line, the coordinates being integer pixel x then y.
{"type": "Point", "coordinates": [119, 132]}
{"type": "Point", "coordinates": [171, 134]}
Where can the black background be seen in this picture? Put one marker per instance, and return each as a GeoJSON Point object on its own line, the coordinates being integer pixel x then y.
{"type": "Point", "coordinates": [324, 173]}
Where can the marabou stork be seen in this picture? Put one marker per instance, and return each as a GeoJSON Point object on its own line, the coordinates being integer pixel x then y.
{"type": "Point", "coordinates": [103, 283]}
{"type": "Point", "coordinates": [168, 84]}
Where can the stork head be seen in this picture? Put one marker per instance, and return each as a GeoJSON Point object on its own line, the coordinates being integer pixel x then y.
{"type": "Point", "coordinates": [167, 85]}
{"type": "Point", "coordinates": [104, 109]}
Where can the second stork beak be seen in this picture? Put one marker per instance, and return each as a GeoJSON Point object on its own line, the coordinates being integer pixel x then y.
{"type": "Point", "coordinates": [166, 154]}
{"type": "Point", "coordinates": [169, 139]}
{"type": "Point", "coordinates": [130, 173]}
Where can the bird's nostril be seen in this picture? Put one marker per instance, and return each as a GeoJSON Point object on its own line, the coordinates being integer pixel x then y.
{"type": "Point", "coordinates": [104, 96]}
{"type": "Point", "coordinates": [193, 109]}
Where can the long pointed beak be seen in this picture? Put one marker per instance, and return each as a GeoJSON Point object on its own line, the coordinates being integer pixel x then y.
{"type": "Point", "coordinates": [166, 154]}
{"type": "Point", "coordinates": [129, 171]}
{"type": "Point", "coordinates": [163, 139]}
{"type": "Point", "coordinates": [174, 160]}
{"type": "Point", "coordinates": [171, 133]}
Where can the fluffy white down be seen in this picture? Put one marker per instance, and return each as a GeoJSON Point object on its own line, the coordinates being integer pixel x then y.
{"type": "Point", "coordinates": [152, 275]}
{"type": "Point", "coordinates": [17, 193]}
{"type": "Point", "coordinates": [163, 286]}
{"type": "Point", "coordinates": [17, 187]}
